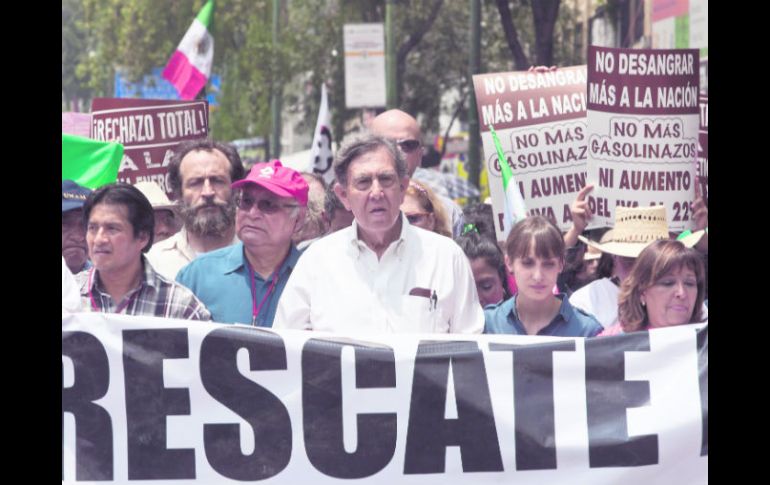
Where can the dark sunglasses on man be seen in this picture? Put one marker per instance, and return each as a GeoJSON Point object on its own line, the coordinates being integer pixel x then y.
{"type": "Point", "coordinates": [266, 206]}
{"type": "Point", "coordinates": [409, 145]}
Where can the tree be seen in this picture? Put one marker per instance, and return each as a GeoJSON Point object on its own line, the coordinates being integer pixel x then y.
{"type": "Point", "coordinates": [552, 28]}
{"type": "Point", "coordinates": [136, 36]}
{"type": "Point", "coordinates": [73, 48]}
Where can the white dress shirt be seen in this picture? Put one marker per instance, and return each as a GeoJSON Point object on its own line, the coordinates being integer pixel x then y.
{"type": "Point", "coordinates": [422, 284]}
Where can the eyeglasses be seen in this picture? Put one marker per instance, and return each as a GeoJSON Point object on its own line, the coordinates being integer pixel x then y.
{"type": "Point", "coordinates": [265, 206]}
{"type": "Point", "coordinates": [386, 180]}
{"type": "Point", "coordinates": [408, 146]}
{"type": "Point", "coordinates": [417, 217]}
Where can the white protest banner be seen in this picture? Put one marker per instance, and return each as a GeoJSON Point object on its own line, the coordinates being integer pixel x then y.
{"type": "Point", "coordinates": [540, 118]}
{"type": "Point", "coordinates": [149, 130]}
{"type": "Point", "coordinates": [145, 398]}
{"type": "Point", "coordinates": [643, 131]}
{"type": "Point", "coordinates": [703, 146]}
{"type": "Point", "coordinates": [364, 65]}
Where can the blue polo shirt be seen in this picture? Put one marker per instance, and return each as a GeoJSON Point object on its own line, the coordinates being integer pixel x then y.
{"type": "Point", "coordinates": [221, 279]}
{"type": "Point", "coordinates": [569, 322]}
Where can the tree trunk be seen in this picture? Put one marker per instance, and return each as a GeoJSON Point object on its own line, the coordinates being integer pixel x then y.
{"type": "Point", "coordinates": [520, 60]}
{"type": "Point", "coordinates": [545, 13]}
{"type": "Point", "coordinates": [413, 40]}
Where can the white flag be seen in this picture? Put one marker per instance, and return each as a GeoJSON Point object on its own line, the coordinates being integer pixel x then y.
{"type": "Point", "coordinates": [321, 151]}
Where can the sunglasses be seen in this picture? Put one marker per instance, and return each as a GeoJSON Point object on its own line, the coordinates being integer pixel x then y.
{"type": "Point", "coordinates": [265, 206]}
{"type": "Point", "coordinates": [417, 217]}
{"type": "Point", "coordinates": [386, 180]}
{"type": "Point", "coordinates": [408, 146]}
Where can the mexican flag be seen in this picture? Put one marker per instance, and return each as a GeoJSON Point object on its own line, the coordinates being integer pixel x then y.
{"type": "Point", "coordinates": [515, 210]}
{"type": "Point", "coordinates": [190, 66]}
{"type": "Point", "coordinates": [90, 163]}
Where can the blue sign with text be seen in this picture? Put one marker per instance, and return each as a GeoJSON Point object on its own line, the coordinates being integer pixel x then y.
{"type": "Point", "coordinates": [153, 86]}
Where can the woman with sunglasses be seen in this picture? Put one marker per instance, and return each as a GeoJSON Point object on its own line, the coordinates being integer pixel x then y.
{"type": "Point", "coordinates": [423, 209]}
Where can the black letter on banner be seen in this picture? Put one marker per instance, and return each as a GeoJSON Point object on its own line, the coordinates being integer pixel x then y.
{"type": "Point", "coordinates": [534, 403]}
{"type": "Point", "coordinates": [608, 395]}
{"type": "Point", "coordinates": [93, 426]}
{"type": "Point", "coordinates": [148, 403]}
{"type": "Point", "coordinates": [322, 410]}
{"type": "Point", "coordinates": [264, 412]}
{"type": "Point", "coordinates": [429, 433]}
{"type": "Point", "coordinates": [703, 379]}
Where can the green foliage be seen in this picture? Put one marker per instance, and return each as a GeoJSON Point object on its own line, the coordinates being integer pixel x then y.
{"type": "Point", "coordinates": [138, 35]}
{"type": "Point", "coordinates": [73, 48]}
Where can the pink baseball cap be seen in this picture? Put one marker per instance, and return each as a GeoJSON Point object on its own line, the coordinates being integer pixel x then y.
{"type": "Point", "coordinates": [278, 179]}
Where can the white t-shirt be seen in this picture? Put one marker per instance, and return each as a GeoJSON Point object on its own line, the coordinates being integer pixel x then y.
{"type": "Point", "coordinates": [422, 284]}
{"type": "Point", "coordinates": [70, 291]}
{"type": "Point", "coordinates": [600, 299]}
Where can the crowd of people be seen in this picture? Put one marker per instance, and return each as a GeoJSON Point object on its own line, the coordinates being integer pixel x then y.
{"type": "Point", "coordinates": [378, 250]}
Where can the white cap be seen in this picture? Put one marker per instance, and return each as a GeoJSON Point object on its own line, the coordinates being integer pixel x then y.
{"type": "Point", "coordinates": [155, 195]}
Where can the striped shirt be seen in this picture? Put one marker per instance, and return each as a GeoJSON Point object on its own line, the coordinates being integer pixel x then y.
{"type": "Point", "coordinates": [155, 296]}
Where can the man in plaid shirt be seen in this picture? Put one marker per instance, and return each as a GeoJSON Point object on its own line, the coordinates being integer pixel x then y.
{"type": "Point", "coordinates": [119, 229]}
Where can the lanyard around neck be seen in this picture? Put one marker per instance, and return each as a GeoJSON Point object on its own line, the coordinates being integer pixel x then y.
{"type": "Point", "coordinates": [274, 280]}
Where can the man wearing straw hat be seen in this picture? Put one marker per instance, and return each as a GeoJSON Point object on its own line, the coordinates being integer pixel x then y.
{"type": "Point", "coordinates": [635, 229]}
{"type": "Point", "coordinates": [167, 222]}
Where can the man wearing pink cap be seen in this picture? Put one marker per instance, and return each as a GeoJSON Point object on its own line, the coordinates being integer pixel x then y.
{"type": "Point", "coordinates": [242, 283]}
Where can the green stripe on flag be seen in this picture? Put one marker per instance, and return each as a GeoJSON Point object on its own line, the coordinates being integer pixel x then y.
{"type": "Point", "coordinates": [505, 169]}
{"type": "Point", "coordinates": [204, 16]}
{"type": "Point", "coordinates": [88, 162]}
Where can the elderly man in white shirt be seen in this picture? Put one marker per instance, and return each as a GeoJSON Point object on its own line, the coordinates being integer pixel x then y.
{"type": "Point", "coordinates": [380, 275]}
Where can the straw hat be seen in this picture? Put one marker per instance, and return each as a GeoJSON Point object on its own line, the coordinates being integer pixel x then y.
{"type": "Point", "coordinates": [155, 195]}
{"type": "Point", "coordinates": [635, 228]}
{"type": "Point", "coordinates": [591, 254]}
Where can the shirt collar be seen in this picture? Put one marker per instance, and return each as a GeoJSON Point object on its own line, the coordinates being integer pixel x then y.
{"type": "Point", "coordinates": [406, 235]}
{"type": "Point", "coordinates": [149, 277]}
{"type": "Point", "coordinates": [181, 242]}
{"type": "Point", "coordinates": [236, 258]}
{"type": "Point", "coordinates": [565, 310]}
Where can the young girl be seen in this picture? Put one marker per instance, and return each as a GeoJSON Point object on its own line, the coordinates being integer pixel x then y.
{"type": "Point", "coordinates": [488, 266]}
{"type": "Point", "coordinates": [535, 257]}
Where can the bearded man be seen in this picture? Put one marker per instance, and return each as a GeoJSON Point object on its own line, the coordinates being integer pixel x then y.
{"type": "Point", "coordinates": [200, 175]}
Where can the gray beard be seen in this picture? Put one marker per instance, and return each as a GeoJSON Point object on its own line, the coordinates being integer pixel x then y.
{"type": "Point", "coordinates": [206, 224]}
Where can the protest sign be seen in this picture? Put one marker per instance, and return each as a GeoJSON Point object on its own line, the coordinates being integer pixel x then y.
{"type": "Point", "coordinates": [703, 146]}
{"type": "Point", "coordinates": [540, 120]}
{"type": "Point", "coordinates": [148, 130]}
{"type": "Point", "coordinates": [643, 131]}
{"type": "Point", "coordinates": [76, 124]}
{"type": "Point", "coordinates": [145, 398]}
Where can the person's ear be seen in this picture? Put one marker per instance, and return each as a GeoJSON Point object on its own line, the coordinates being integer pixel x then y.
{"type": "Point", "coordinates": [403, 184]}
{"type": "Point", "coordinates": [299, 223]}
{"type": "Point", "coordinates": [342, 194]}
{"type": "Point", "coordinates": [143, 237]}
{"type": "Point", "coordinates": [508, 264]}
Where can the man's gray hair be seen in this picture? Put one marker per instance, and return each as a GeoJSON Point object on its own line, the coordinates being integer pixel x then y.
{"type": "Point", "coordinates": [358, 145]}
